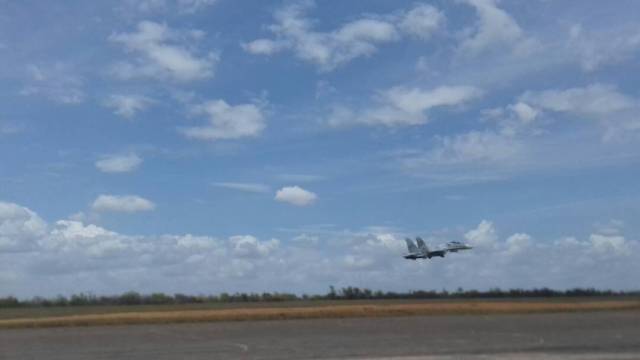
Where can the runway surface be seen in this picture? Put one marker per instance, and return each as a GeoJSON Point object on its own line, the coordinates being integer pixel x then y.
{"type": "Point", "coordinates": [598, 335]}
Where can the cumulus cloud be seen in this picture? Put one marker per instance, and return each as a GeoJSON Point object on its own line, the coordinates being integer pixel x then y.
{"type": "Point", "coordinates": [127, 106]}
{"type": "Point", "coordinates": [249, 246]}
{"type": "Point", "coordinates": [162, 54]}
{"type": "Point", "coordinates": [247, 187]}
{"type": "Point", "coordinates": [483, 236]}
{"type": "Point", "coordinates": [71, 256]}
{"type": "Point", "coordinates": [20, 228]}
{"type": "Point", "coordinates": [69, 236]}
{"type": "Point", "coordinates": [227, 122]}
{"type": "Point", "coordinates": [119, 163]}
{"type": "Point", "coordinates": [403, 106]}
{"type": "Point", "coordinates": [495, 28]}
{"type": "Point", "coordinates": [295, 195]}
{"type": "Point", "coordinates": [328, 50]}
{"type": "Point", "coordinates": [122, 203]}
{"type": "Point", "coordinates": [422, 21]}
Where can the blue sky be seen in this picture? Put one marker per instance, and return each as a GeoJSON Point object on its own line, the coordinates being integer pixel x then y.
{"type": "Point", "coordinates": [214, 145]}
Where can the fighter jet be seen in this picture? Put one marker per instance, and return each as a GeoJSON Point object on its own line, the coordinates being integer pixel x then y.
{"type": "Point", "coordinates": [455, 246]}
{"type": "Point", "coordinates": [421, 251]}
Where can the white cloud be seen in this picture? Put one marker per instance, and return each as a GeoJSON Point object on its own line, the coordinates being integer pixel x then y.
{"type": "Point", "coordinates": [517, 243]}
{"type": "Point", "coordinates": [610, 244]}
{"type": "Point", "coordinates": [524, 112]}
{"type": "Point", "coordinates": [20, 227]}
{"type": "Point", "coordinates": [248, 187]}
{"type": "Point", "coordinates": [71, 256]}
{"type": "Point", "coordinates": [264, 47]}
{"type": "Point", "coordinates": [593, 100]}
{"type": "Point", "coordinates": [494, 28]}
{"type": "Point", "coordinates": [422, 21]}
{"type": "Point", "coordinates": [195, 242]}
{"type": "Point", "coordinates": [328, 50]}
{"type": "Point", "coordinates": [119, 163]}
{"type": "Point", "coordinates": [597, 48]}
{"type": "Point", "coordinates": [227, 122]}
{"type": "Point", "coordinates": [161, 55]}
{"type": "Point", "coordinates": [68, 236]}
{"type": "Point", "coordinates": [484, 236]}
{"type": "Point", "coordinates": [249, 246]}
{"type": "Point", "coordinates": [474, 146]}
{"type": "Point", "coordinates": [58, 82]}
{"type": "Point", "coordinates": [404, 106]}
{"type": "Point", "coordinates": [193, 6]}
{"type": "Point", "coordinates": [296, 195]}
{"type": "Point", "coordinates": [613, 110]}
{"type": "Point", "coordinates": [124, 203]}
{"type": "Point", "coordinates": [127, 106]}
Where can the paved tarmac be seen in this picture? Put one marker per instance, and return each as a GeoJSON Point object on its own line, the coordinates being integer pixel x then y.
{"type": "Point", "coordinates": [599, 335]}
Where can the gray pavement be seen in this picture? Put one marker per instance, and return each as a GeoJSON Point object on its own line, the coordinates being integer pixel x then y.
{"type": "Point", "coordinates": [603, 335]}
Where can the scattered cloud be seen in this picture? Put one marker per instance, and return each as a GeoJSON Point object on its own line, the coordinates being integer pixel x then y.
{"type": "Point", "coordinates": [247, 187]}
{"type": "Point", "coordinates": [615, 111]}
{"type": "Point", "coordinates": [403, 106]}
{"type": "Point", "coordinates": [358, 38]}
{"type": "Point", "coordinates": [227, 122]}
{"type": "Point", "coordinates": [119, 163]}
{"type": "Point", "coordinates": [598, 48]}
{"type": "Point", "coordinates": [495, 28]}
{"type": "Point", "coordinates": [127, 106]}
{"type": "Point", "coordinates": [593, 100]}
{"type": "Point", "coordinates": [123, 203]}
{"type": "Point", "coordinates": [58, 83]}
{"type": "Point", "coordinates": [163, 54]}
{"type": "Point", "coordinates": [468, 148]}
{"type": "Point", "coordinates": [296, 195]}
{"type": "Point", "coordinates": [422, 21]}
{"type": "Point", "coordinates": [10, 128]}
{"type": "Point", "coordinates": [194, 6]}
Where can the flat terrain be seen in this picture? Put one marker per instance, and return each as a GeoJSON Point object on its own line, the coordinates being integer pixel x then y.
{"type": "Point", "coordinates": [136, 315]}
{"type": "Point", "coordinates": [577, 335]}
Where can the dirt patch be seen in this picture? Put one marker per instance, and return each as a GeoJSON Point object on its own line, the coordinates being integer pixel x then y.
{"type": "Point", "coordinates": [313, 312]}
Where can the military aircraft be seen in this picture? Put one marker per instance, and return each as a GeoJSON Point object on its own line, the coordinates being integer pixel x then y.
{"type": "Point", "coordinates": [421, 251]}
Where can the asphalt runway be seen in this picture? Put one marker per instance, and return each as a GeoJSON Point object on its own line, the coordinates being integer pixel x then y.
{"type": "Point", "coordinates": [597, 335]}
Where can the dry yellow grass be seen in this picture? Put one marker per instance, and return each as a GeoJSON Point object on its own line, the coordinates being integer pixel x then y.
{"type": "Point", "coordinates": [315, 312]}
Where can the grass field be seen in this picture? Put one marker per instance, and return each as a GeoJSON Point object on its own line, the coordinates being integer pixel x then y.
{"type": "Point", "coordinates": [126, 315]}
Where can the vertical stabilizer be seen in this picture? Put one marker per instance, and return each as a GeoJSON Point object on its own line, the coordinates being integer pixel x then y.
{"type": "Point", "coordinates": [422, 246]}
{"type": "Point", "coordinates": [411, 246]}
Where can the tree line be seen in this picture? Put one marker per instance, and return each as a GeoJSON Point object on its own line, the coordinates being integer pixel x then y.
{"type": "Point", "coordinates": [346, 293]}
